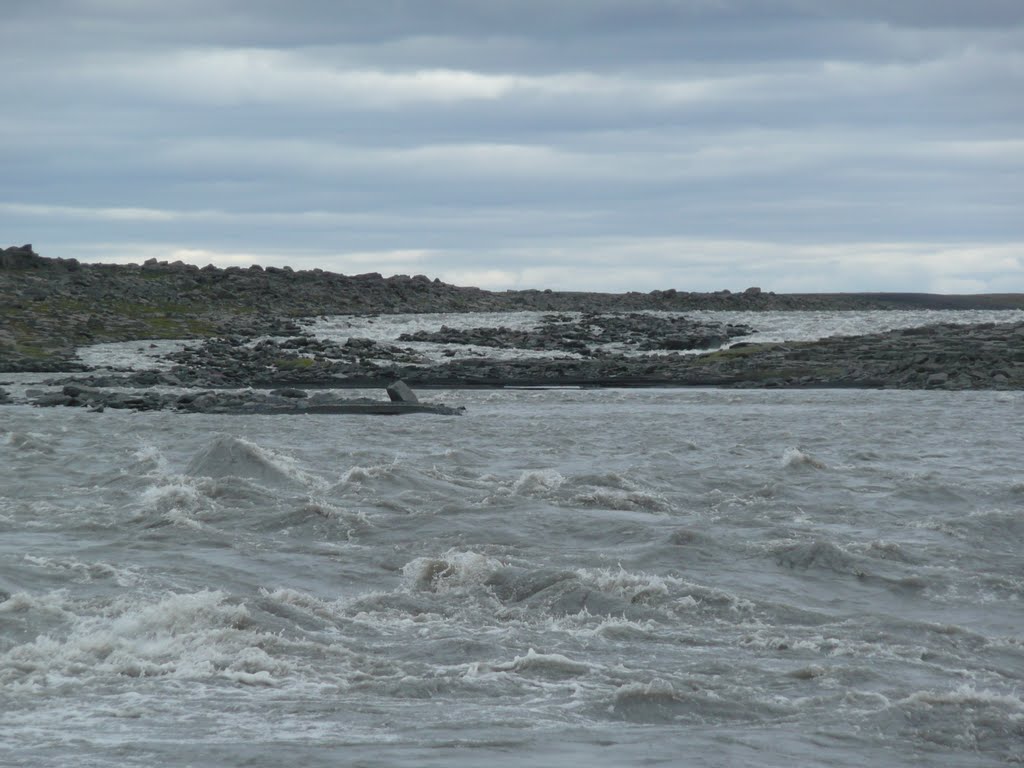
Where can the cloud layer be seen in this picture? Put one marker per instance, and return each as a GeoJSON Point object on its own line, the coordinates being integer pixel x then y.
{"type": "Point", "coordinates": [607, 144]}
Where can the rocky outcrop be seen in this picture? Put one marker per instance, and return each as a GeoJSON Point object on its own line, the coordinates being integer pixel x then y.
{"type": "Point", "coordinates": [22, 257]}
{"type": "Point", "coordinates": [48, 307]}
{"type": "Point", "coordinates": [987, 356]}
{"type": "Point", "coordinates": [564, 333]}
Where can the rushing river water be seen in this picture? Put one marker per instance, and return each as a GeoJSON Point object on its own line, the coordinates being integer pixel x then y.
{"type": "Point", "coordinates": [559, 577]}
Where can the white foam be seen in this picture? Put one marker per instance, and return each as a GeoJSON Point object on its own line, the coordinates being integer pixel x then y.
{"type": "Point", "coordinates": [30, 442]}
{"type": "Point", "coordinates": [540, 663]}
{"type": "Point", "coordinates": [537, 482]}
{"type": "Point", "coordinates": [636, 587]}
{"type": "Point", "coordinates": [450, 570]}
{"type": "Point", "coordinates": [182, 519]}
{"type": "Point", "coordinates": [364, 474]}
{"type": "Point", "coordinates": [188, 635]}
{"type": "Point", "coordinates": [355, 519]}
{"type": "Point", "coordinates": [178, 499]}
{"type": "Point", "coordinates": [172, 496]}
{"type": "Point", "coordinates": [150, 454]}
{"type": "Point", "coordinates": [84, 573]}
{"type": "Point", "coordinates": [620, 629]}
{"type": "Point", "coordinates": [794, 457]}
{"type": "Point", "coordinates": [965, 717]}
{"type": "Point", "coordinates": [623, 500]}
{"type": "Point", "coordinates": [55, 602]}
{"type": "Point", "coordinates": [642, 700]}
{"type": "Point", "coordinates": [304, 601]}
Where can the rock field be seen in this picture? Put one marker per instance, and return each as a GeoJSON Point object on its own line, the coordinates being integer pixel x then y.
{"type": "Point", "coordinates": [49, 307]}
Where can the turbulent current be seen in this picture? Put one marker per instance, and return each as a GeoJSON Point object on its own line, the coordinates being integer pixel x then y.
{"type": "Point", "coordinates": [558, 577]}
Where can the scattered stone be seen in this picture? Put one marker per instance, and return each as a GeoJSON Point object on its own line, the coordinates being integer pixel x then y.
{"type": "Point", "coordinates": [591, 332]}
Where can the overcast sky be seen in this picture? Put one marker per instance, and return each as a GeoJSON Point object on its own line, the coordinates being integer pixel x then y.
{"type": "Point", "coordinates": [797, 145]}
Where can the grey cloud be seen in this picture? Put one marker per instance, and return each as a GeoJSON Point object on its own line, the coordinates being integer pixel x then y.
{"type": "Point", "coordinates": [502, 136]}
{"type": "Point", "coordinates": [269, 23]}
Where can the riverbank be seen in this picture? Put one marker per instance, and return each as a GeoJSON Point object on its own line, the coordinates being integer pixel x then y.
{"type": "Point", "coordinates": [50, 306]}
{"type": "Point", "coordinates": [250, 331]}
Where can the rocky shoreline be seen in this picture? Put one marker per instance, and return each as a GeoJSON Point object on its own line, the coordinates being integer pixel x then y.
{"type": "Point", "coordinates": [279, 402]}
{"type": "Point", "coordinates": [287, 401]}
{"type": "Point", "coordinates": [252, 337]}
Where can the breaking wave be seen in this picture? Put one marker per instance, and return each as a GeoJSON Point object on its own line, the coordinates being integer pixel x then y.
{"type": "Point", "coordinates": [228, 456]}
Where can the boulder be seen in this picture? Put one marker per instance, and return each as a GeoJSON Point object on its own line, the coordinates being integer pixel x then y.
{"type": "Point", "coordinates": [399, 392]}
{"type": "Point", "coordinates": [359, 343]}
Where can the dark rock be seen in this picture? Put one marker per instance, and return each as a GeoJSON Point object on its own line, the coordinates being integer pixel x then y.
{"type": "Point", "coordinates": [22, 257]}
{"type": "Point", "coordinates": [290, 392]}
{"type": "Point", "coordinates": [562, 333]}
{"type": "Point", "coordinates": [83, 394]}
{"type": "Point", "coordinates": [360, 343]}
{"type": "Point", "coordinates": [399, 392]}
